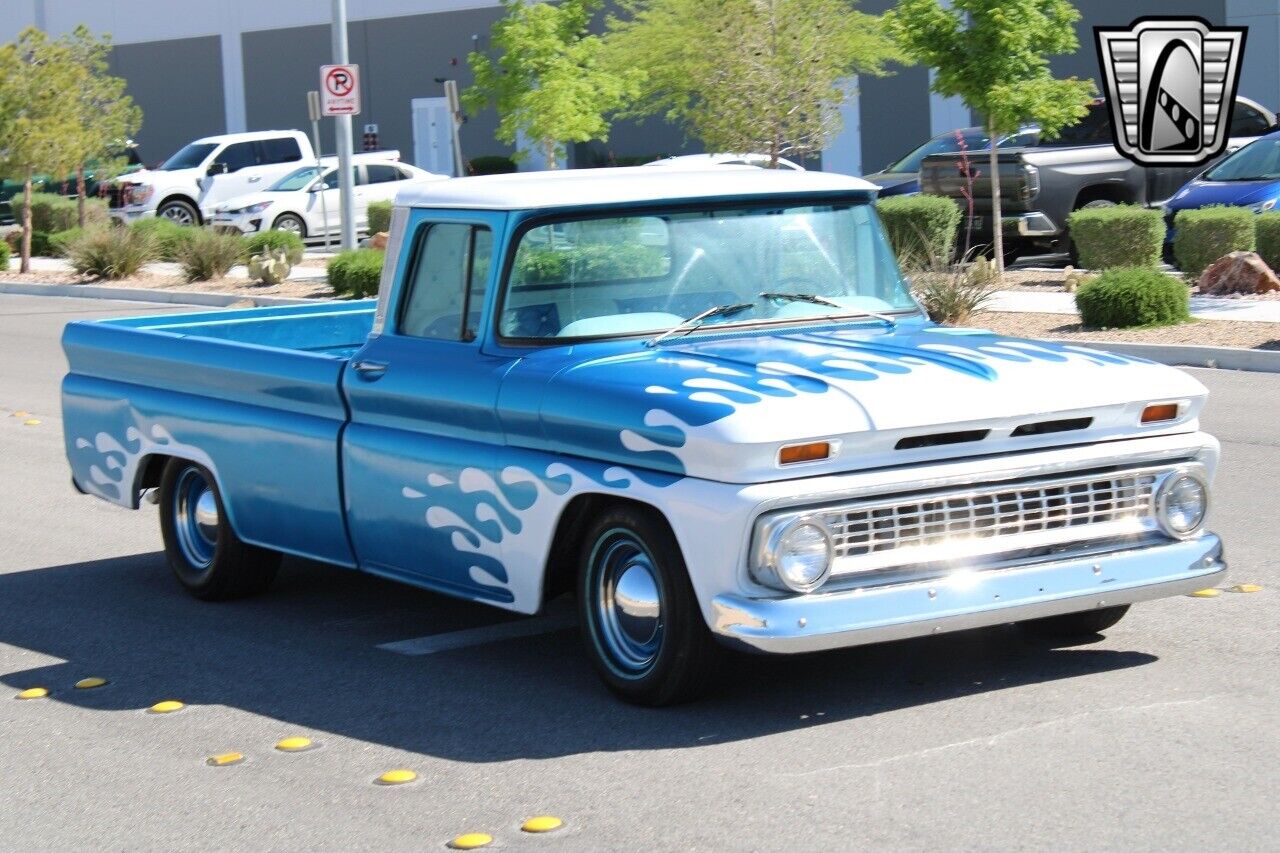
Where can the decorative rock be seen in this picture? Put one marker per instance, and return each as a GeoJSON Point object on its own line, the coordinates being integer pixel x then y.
{"type": "Point", "coordinates": [1238, 272]}
{"type": "Point", "coordinates": [379, 241]}
{"type": "Point", "coordinates": [270, 267]}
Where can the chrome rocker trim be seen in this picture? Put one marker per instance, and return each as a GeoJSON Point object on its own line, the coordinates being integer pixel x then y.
{"type": "Point", "coordinates": [815, 622]}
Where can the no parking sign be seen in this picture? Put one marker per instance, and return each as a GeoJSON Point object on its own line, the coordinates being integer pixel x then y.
{"type": "Point", "coordinates": [340, 90]}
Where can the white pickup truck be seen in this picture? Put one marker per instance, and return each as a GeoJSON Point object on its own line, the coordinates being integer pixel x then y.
{"type": "Point", "coordinates": [189, 185]}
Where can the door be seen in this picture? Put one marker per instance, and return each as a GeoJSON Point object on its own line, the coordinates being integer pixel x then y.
{"type": "Point", "coordinates": [432, 135]}
{"type": "Point", "coordinates": [324, 206]}
{"type": "Point", "coordinates": [422, 492]}
{"type": "Point", "coordinates": [250, 167]}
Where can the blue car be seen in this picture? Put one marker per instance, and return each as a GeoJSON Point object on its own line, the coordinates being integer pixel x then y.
{"type": "Point", "coordinates": [1248, 178]}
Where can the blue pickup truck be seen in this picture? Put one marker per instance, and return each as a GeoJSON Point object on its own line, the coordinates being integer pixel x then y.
{"type": "Point", "coordinates": [704, 402]}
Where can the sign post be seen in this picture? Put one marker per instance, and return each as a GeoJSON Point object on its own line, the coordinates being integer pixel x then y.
{"type": "Point", "coordinates": [313, 109]}
{"type": "Point", "coordinates": [455, 118]}
{"type": "Point", "coordinates": [340, 97]}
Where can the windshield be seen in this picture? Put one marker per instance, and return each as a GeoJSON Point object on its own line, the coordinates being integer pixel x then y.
{"type": "Point", "coordinates": [189, 157]}
{"type": "Point", "coordinates": [645, 274]}
{"type": "Point", "coordinates": [1257, 161]}
{"type": "Point", "coordinates": [945, 144]}
{"type": "Point", "coordinates": [298, 179]}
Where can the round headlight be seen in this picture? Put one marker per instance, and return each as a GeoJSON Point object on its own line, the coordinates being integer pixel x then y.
{"type": "Point", "coordinates": [1181, 504]}
{"type": "Point", "coordinates": [799, 555]}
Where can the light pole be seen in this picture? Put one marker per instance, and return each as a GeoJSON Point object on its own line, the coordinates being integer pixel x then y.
{"type": "Point", "coordinates": [342, 127]}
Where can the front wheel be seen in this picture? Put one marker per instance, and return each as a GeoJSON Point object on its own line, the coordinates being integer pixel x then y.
{"type": "Point", "coordinates": [205, 554]}
{"type": "Point", "coordinates": [637, 610]}
{"type": "Point", "coordinates": [291, 223]}
{"type": "Point", "coordinates": [179, 211]}
{"type": "Point", "coordinates": [1070, 625]}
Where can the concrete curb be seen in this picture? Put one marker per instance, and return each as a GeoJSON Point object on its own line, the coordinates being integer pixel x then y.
{"type": "Point", "coordinates": [1223, 358]}
{"type": "Point", "coordinates": [141, 294]}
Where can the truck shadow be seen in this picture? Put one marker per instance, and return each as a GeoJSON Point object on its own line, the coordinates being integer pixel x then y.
{"type": "Point", "coordinates": [306, 654]}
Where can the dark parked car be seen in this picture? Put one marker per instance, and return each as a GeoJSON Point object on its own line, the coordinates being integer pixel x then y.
{"type": "Point", "coordinates": [1080, 168]}
{"type": "Point", "coordinates": [902, 177]}
{"type": "Point", "coordinates": [67, 186]}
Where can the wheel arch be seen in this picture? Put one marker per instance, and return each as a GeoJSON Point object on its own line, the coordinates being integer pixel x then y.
{"type": "Point", "coordinates": [151, 470]}
{"type": "Point", "coordinates": [1113, 192]}
{"type": "Point", "coordinates": [183, 197]}
{"type": "Point", "coordinates": [560, 569]}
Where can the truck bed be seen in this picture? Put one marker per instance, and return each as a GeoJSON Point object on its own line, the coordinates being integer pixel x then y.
{"type": "Point", "coordinates": [244, 387]}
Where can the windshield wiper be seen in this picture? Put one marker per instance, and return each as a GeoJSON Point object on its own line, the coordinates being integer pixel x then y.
{"type": "Point", "coordinates": [822, 300]}
{"type": "Point", "coordinates": [697, 320]}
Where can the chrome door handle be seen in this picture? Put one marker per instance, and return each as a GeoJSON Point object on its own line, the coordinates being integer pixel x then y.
{"type": "Point", "coordinates": [369, 369]}
{"type": "Point", "coordinates": [255, 179]}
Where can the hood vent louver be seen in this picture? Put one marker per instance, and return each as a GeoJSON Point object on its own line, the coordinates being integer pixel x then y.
{"type": "Point", "coordinates": [1046, 427]}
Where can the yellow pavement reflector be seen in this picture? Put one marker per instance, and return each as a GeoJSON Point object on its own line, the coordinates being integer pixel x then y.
{"type": "Point", "coordinates": [542, 823]}
{"type": "Point", "coordinates": [294, 744]}
{"type": "Point", "coordinates": [224, 760]}
{"type": "Point", "coordinates": [1246, 587]}
{"type": "Point", "coordinates": [34, 693]}
{"type": "Point", "coordinates": [471, 841]}
{"type": "Point", "coordinates": [90, 683]}
{"type": "Point", "coordinates": [168, 706]}
{"type": "Point", "coordinates": [397, 777]}
{"type": "Point", "coordinates": [31, 422]}
{"type": "Point", "coordinates": [1206, 593]}
{"type": "Point", "coordinates": [19, 414]}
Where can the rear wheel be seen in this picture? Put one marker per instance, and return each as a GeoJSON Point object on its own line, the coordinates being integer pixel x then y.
{"type": "Point", "coordinates": [205, 554]}
{"type": "Point", "coordinates": [638, 613]}
{"type": "Point", "coordinates": [1075, 624]}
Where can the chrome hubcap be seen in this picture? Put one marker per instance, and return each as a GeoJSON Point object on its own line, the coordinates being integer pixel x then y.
{"type": "Point", "coordinates": [628, 602]}
{"type": "Point", "coordinates": [291, 225]}
{"type": "Point", "coordinates": [196, 519]}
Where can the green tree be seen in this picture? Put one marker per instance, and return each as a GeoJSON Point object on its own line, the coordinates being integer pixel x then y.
{"type": "Point", "coordinates": [106, 117]}
{"type": "Point", "coordinates": [548, 80]}
{"type": "Point", "coordinates": [993, 54]}
{"type": "Point", "coordinates": [749, 76]}
{"type": "Point", "coordinates": [37, 114]}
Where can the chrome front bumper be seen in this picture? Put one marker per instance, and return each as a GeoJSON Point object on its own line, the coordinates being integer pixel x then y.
{"type": "Point", "coordinates": [808, 623]}
{"type": "Point", "coordinates": [1033, 224]}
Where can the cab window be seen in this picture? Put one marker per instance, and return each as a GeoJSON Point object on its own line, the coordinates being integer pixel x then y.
{"type": "Point", "coordinates": [1247, 121]}
{"type": "Point", "coordinates": [447, 286]}
{"type": "Point", "coordinates": [379, 174]}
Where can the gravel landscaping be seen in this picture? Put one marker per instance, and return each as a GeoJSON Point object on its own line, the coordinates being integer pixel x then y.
{"type": "Point", "coordinates": [297, 289]}
{"type": "Point", "coordinates": [1209, 333]}
{"type": "Point", "coordinates": [1053, 281]}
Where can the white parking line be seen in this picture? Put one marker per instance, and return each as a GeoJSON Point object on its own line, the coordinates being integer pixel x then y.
{"type": "Point", "coordinates": [555, 620]}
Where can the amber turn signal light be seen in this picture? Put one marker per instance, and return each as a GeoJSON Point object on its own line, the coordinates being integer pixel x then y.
{"type": "Point", "coordinates": [1157, 412]}
{"type": "Point", "coordinates": [804, 452]}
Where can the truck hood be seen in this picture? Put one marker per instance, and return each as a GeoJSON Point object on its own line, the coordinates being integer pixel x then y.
{"type": "Point", "coordinates": [159, 178]}
{"type": "Point", "coordinates": [895, 183]}
{"type": "Point", "coordinates": [720, 407]}
{"type": "Point", "coordinates": [243, 201]}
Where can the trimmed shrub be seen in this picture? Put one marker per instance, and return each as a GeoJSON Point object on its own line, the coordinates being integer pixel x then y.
{"type": "Point", "coordinates": [1206, 234]}
{"type": "Point", "coordinates": [52, 213]}
{"type": "Point", "coordinates": [210, 254]}
{"type": "Point", "coordinates": [379, 216]}
{"type": "Point", "coordinates": [491, 164]}
{"type": "Point", "coordinates": [59, 242]}
{"type": "Point", "coordinates": [113, 253]}
{"type": "Point", "coordinates": [1267, 229]}
{"type": "Point", "coordinates": [4, 255]}
{"type": "Point", "coordinates": [356, 273]}
{"type": "Point", "coordinates": [1125, 297]}
{"type": "Point", "coordinates": [168, 235]}
{"type": "Point", "coordinates": [922, 228]}
{"type": "Point", "coordinates": [1123, 235]}
{"type": "Point", "coordinates": [267, 241]}
{"type": "Point", "coordinates": [40, 247]}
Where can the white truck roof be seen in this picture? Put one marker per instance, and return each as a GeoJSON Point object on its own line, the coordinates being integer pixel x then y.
{"type": "Point", "coordinates": [628, 185]}
{"type": "Point", "coordinates": [248, 136]}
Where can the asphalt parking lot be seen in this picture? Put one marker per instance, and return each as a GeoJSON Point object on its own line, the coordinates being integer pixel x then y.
{"type": "Point", "coordinates": [1161, 736]}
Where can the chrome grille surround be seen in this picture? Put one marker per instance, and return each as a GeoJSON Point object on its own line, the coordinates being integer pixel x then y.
{"type": "Point", "coordinates": [974, 525]}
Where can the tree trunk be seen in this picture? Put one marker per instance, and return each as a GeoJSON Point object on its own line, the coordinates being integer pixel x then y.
{"type": "Point", "coordinates": [997, 229]}
{"type": "Point", "coordinates": [25, 251]}
{"type": "Point", "coordinates": [549, 153]}
{"type": "Point", "coordinates": [80, 193]}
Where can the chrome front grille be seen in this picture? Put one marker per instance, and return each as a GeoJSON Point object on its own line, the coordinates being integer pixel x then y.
{"type": "Point", "coordinates": [991, 519]}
